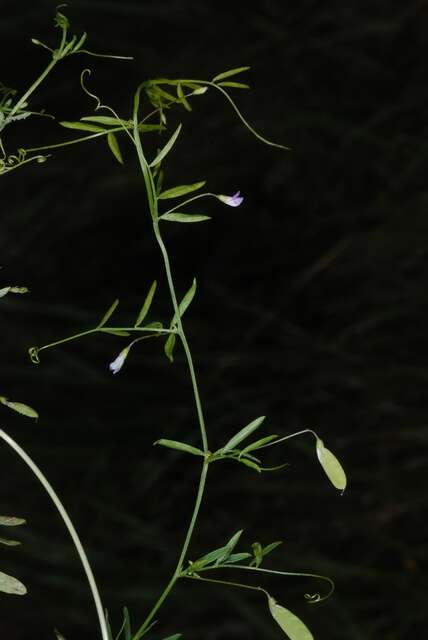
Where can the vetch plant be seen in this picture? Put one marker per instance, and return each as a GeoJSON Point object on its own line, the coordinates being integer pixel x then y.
{"type": "Point", "coordinates": [160, 95]}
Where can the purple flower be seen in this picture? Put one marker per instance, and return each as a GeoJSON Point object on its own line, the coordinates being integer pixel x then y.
{"type": "Point", "coordinates": [232, 201]}
{"type": "Point", "coordinates": [117, 364]}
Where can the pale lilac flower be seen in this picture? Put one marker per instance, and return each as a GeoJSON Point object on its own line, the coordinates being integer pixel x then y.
{"type": "Point", "coordinates": [232, 201]}
{"type": "Point", "coordinates": [117, 364]}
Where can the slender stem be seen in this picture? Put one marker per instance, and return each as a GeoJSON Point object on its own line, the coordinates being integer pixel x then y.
{"type": "Point", "coordinates": [295, 574]}
{"type": "Point", "coordinates": [183, 204]}
{"type": "Point", "coordinates": [33, 87]}
{"type": "Point", "coordinates": [182, 335]}
{"type": "Point", "coordinates": [69, 339]}
{"type": "Point", "coordinates": [292, 435]}
{"type": "Point", "coordinates": [152, 200]}
{"type": "Point", "coordinates": [240, 585]}
{"type": "Point", "coordinates": [76, 336]}
{"type": "Point", "coordinates": [72, 531]}
{"type": "Point", "coordinates": [76, 140]}
{"type": "Point", "coordinates": [178, 570]}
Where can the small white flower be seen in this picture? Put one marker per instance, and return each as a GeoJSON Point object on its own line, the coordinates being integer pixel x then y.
{"type": "Point", "coordinates": [117, 364]}
{"type": "Point", "coordinates": [232, 201]}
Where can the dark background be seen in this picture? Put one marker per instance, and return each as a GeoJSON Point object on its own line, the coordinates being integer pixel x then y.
{"type": "Point", "coordinates": [311, 309]}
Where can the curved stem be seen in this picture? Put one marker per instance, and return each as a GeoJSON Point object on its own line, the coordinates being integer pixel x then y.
{"type": "Point", "coordinates": [278, 573]}
{"type": "Point", "coordinates": [72, 531]}
{"type": "Point", "coordinates": [292, 435]}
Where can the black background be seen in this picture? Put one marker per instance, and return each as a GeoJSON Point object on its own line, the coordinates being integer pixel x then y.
{"type": "Point", "coordinates": [311, 309]}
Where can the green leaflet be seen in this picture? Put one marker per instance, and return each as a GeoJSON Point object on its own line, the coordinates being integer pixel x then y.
{"type": "Point", "coordinates": [18, 290]}
{"type": "Point", "coordinates": [184, 217]}
{"type": "Point", "coordinates": [292, 626]}
{"type": "Point", "coordinates": [154, 325]}
{"type": "Point", "coordinates": [258, 443]}
{"type": "Point", "coordinates": [182, 98]}
{"type": "Point", "coordinates": [250, 463]}
{"type": "Point", "coordinates": [237, 557]}
{"type": "Point", "coordinates": [229, 73]}
{"type": "Point", "coordinates": [7, 290]}
{"type": "Point", "coordinates": [169, 347]}
{"type": "Point", "coordinates": [115, 332]}
{"type": "Point", "coordinates": [181, 190]}
{"type": "Point", "coordinates": [260, 552]}
{"type": "Point", "coordinates": [221, 555]}
{"type": "Point", "coordinates": [230, 545]}
{"type": "Point", "coordinates": [236, 85]}
{"type": "Point", "coordinates": [331, 466]}
{"type": "Point", "coordinates": [180, 446]}
{"type": "Point", "coordinates": [108, 313]}
{"type": "Point", "coordinates": [108, 120]}
{"type": "Point", "coordinates": [114, 147]}
{"type": "Point", "coordinates": [11, 521]}
{"type": "Point", "coordinates": [127, 624]}
{"type": "Point", "coordinates": [270, 547]}
{"type": "Point", "coordinates": [9, 584]}
{"type": "Point", "coordinates": [242, 434]}
{"type": "Point", "coordinates": [19, 407]}
{"type": "Point", "coordinates": [208, 558]}
{"type": "Point", "coordinates": [146, 305]}
{"type": "Point", "coordinates": [185, 302]}
{"type": "Point", "coordinates": [167, 148]}
{"type": "Point", "coordinates": [9, 543]}
{"type": "Point", "coordinates": [81, 126]}
{"type": "Point", "coordinates": [176, 636]}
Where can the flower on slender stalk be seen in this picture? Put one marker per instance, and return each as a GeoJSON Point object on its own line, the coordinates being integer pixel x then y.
{"type": "Point", "coordinates": [232, 201]}
{"type": "Point", "coordinates": [117, 364]}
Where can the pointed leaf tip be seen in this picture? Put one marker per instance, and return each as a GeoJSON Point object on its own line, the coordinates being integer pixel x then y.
{"type": "Point", "coordinates": [331, 466]}
{"type": "Point", "coordinates": [242, 434]}
{"type": "Point", "coordinates": [114, 147]}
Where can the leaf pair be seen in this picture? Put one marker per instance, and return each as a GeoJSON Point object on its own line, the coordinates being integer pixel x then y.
{"type": "Point", "coordinates": [178, 192]}
{"type": "Point", "coordinates": [220, 556]}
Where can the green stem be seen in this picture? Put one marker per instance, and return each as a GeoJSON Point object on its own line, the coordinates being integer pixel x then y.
{"type": "Point", "coordinates": [240, 585]}
{"type": "Point", "coordinates": [33, 87]}
{"type": "Point", "coordinates": [292, 435]}
{"type": "Point", "coordinates": [182, 335]}
{"type": "Point", "coordinates": [76, 336]}
{"type": "Point", "coordinates": [69, 339]}
{"type": "Point", "coordinates": [178, 570]}
{"type": "Point", "coordinates": [152, 200]}
{"type": "Point", "coordinates": [183, 204]}
{"type": "Point", "coordinates": [75, 141]}
{"type": "Point", "coordinates": [294, 574]}
{"type": "Point", "coordinates": [72, 531]}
